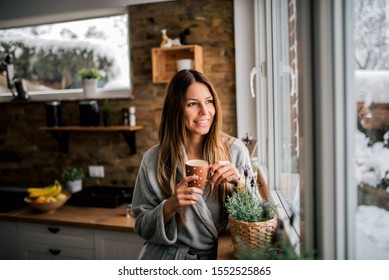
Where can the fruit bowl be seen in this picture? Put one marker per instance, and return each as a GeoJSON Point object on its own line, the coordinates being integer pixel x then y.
{"type": "Point", "coordinates": [48, 206]}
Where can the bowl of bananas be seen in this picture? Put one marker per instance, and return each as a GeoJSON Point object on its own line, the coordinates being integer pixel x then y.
{"type": "Point", "coordinates": [47, 199]}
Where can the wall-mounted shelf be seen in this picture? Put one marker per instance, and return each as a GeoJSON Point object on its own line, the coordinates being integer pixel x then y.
{"type": "Point", "coordinates": [164, 60]}
{"type": "Point", "coordinates": [60, 133]}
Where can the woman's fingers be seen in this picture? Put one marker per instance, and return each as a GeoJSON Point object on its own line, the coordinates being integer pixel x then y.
{"type": "Point", "coordinates": [223, 176]}
{"type": "Point", "coordinates": [187, 198]}
{"type": "Point", "coordinates": [223, 172]}
{"type": "Point", "coordinates": [186, 195]}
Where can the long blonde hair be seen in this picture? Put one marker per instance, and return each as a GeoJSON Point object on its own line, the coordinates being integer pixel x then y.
{"type": "Point", "coordinates": [172, 135]}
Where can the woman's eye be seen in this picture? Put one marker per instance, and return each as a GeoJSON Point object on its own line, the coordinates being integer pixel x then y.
{"type": "Point", "coordinates": [191, 104]}
{"type": "Point", "coordinates": [209, 101]}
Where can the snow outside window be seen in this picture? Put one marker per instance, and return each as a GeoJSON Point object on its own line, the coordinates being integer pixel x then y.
{"type": "Point", "coordinates": [371, 161]}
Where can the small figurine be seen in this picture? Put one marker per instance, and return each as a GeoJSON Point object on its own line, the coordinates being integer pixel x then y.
{"type": "Point", "coordinates": [167, 42]}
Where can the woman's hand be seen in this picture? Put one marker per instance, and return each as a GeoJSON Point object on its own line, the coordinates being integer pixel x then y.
{"type": "Point", "coordinates": [183, 196]}
{"type": "Point", "coordinates": [223, 172]}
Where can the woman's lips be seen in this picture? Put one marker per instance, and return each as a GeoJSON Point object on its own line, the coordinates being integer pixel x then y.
{"type": "Point", "coordinates": [202, 122]}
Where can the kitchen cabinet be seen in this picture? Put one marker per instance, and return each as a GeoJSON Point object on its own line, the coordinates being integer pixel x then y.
{"type": "Point", "coordinates": [35, 251]}
{"type": "Point", "coordinates": [164, 60]}
{"type": "Point", "coordinates": [71, 232]}
{"type": "Point", "coordinates": [111, 245]}
{"type": "Point", "coordinates": [30, 241]}
{"type": "Point", "coordinates": [46, 242]}
{"type": "Point", "coordinates": [8, 241]}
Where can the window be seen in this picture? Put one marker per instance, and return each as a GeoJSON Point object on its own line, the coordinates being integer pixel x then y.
{"type": "Point", "coordinates": [278, 105]}
{"type": "Point", "coordinates": [286, 103]}
{"type": "Point", "coordinates": [48, 57]}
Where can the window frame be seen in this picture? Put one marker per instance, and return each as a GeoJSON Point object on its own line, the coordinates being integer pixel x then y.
{"type": "Point", "coordinates": [267, 117]}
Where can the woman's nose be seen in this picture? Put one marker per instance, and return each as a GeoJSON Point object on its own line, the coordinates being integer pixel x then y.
{"type": "Point", "coordinates": [203, 109]}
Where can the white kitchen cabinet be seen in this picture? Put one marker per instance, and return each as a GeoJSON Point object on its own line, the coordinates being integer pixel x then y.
{"type": "Point", "coordinates": [50, 251]}
{"type": "Point", "coordinates": [111, 245]}
{"type": "Point", "coordinates": [38, 241]}
{"type": "Point", "coordinates": [8, 241]}
{"type": "Point", "coordinates": [49, 242]}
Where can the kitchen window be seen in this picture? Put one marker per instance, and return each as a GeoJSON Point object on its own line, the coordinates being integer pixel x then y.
{"type": "Point", "coordinates": [279, 107]}
{"type": "Point", "coordinates": [48, 56]}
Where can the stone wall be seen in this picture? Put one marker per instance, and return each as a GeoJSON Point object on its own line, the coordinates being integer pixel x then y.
{"type": "Point", "coordinates": [30, 157]}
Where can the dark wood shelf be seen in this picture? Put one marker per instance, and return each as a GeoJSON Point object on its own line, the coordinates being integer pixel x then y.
{"type": "Point", "coordinates": [60, 133]}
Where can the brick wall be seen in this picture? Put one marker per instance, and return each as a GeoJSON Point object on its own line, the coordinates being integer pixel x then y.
{"type": "Point", "coordinates": [30, 157]}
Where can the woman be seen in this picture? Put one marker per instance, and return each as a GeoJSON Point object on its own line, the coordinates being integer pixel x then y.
{"type": "Point", "coordinates": [177, 221]}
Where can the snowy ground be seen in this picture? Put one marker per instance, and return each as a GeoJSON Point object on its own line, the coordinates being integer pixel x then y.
{"type": "Point", "coordinates": [372, 223]}
{"type": "Point", "coordinates": [372, 235]}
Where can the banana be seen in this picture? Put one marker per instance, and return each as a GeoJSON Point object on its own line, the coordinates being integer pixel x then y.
{"type": "Point", "coordinates": [56, 191]}
{"type": "Point", "coordinates": [30, 190]}
{"type": "Point", "coordinates": [48, 191]}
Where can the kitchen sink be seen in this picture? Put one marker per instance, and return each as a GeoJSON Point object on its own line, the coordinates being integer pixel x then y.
{"type": "Point", "coordinates": [102, 196]}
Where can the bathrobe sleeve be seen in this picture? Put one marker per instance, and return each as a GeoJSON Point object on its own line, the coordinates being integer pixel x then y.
{"type": "Point", "coordinates": [240, 156]}
{"type": "Point", "coordinates": [147, 204]}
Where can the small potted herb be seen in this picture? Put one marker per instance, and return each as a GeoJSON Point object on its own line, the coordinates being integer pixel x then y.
{"type": "Point", "coordinates": [252, 219]}
{"type": "Point", "coordinates": [89, 77]}
{"type": "Point", "coordinates": [89, 73]}
{"type": "Point", "coordinates": [73, 177]}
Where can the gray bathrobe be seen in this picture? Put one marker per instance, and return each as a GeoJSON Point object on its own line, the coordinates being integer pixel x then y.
{"type": "Point", "coordinates": [203, 221]}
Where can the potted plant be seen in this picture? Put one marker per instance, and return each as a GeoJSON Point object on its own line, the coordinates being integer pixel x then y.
{"type": "Point", "coordinates": [89, 77]}
{"type": "Point", "coordinates": [252, 218]}
{"type": "Point", "coordinates": [73, 177]}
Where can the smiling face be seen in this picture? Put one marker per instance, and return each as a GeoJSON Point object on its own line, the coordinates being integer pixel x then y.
{"type": "Point", "coordinates": [199, 110]}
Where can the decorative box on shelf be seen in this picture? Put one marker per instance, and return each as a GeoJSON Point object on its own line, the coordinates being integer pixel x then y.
{"type": "Point", "coordinates": [165, 60]}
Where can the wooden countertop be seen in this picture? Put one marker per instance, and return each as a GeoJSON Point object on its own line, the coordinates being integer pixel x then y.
{"type": "Point", "coordinates": [88, 217]}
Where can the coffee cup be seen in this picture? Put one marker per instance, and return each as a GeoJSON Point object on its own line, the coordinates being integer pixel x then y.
{"type": "Point", "coordinates": [197, 167]}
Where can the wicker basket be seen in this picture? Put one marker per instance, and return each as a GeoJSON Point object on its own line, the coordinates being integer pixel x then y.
{"type": "Point", "coordinates": [252, 235]}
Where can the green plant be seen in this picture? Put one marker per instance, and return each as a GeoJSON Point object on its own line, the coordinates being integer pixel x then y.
{"type": "Point", "coordinates": [106, 113]}
{"type": "Point", "coordinates": [245, 205]}
{"type": "Point", "coordinates": [89, 73]}
{"type": "Point", "coordinates": [73, 174]}
{"type": "Point", "coordinates": [106, 109]}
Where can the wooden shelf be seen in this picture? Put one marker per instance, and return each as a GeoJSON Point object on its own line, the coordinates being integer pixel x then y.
{"type": "Point", "coordinates": [164, 60]}
{"type": "Point", "coordinates": [60, 133]}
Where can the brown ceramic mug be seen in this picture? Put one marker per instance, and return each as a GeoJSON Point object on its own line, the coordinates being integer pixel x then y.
{"type": "Point", "coordinates": [197, 167]}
